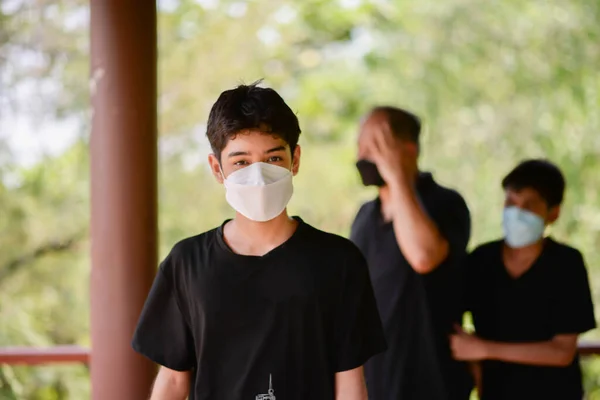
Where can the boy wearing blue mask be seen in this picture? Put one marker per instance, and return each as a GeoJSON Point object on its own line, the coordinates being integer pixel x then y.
{"type": "Point", "coordinates": [264, 306]}
{"type": "Point", "coordinates": [529, 297]}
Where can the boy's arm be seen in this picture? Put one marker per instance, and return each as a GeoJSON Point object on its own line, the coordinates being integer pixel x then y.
{"type": "Point", "coordinates": [350, 385]}
{"type": "Point", "coordinates": [475, 368]}
{"type": "Point", "coordinates": [557, 352]}
{"type": "Point", "coordinates": [171, 385]}
{"type": "Point", "coordinates": [164, 336]}
{"type": "Point", "coordinates": [359, 332]}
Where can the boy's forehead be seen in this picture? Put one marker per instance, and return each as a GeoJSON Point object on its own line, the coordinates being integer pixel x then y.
{"type": "Point", "coordinates": [528, 193]}
{"type": "Point", "coordinates": [254, 141]}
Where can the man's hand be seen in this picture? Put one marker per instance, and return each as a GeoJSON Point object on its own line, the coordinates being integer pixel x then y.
{"type": "Point", "coordinates": [466, 347]}
{"type": "Point", "coordinates": [390, 154]}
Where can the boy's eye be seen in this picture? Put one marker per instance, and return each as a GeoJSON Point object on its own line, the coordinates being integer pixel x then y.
{"type": "Point", "coordinates": [275, 159]}
{"type": "Point", "coordinates": [240, 163]}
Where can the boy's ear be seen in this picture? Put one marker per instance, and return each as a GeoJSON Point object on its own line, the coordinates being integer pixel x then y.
{"type": "Point", "coordinates": [296, 160]}
{"type": "Point", "coordinates": [215, 167]}
{"type": "Point", "coordinates": [553, 214]}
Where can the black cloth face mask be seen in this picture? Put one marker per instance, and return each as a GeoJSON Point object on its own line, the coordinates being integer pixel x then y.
{"type": "Point", "coordinates": [369, 173]}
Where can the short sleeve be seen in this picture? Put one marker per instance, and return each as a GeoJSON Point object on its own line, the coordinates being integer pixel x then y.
{"type": "Point", "coordinates": [359, 330]}
{"type": "Point", "coordinates": [471, 283]}
{"type": "Point", "coordinates": [573, 309]}
{"type": "Point", "coordinates": [445, 284]}
{"type": "Point", "coordinates": [453, 219]}
{"type": "Point", "coordinates": [357, 230]}
{"type": "Point", "coordinates": [162, 333]}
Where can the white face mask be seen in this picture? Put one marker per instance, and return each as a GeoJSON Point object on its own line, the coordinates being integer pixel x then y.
{"type": "Point", "coordinates": [260, 191]}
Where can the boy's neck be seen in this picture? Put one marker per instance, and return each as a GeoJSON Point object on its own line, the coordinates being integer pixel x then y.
{"type": "Point", "coordinates": [252, 238]}
{"type": "Point", "coordinates": [519, 260]}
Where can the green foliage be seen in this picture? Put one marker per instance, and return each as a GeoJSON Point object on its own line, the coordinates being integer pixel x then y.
{"type": "Point", "coordinates": [494, 82]}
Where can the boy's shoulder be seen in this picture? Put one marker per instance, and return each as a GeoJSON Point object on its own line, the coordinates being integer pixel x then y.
{"type": "Point", "coordinates": [329, 241]}
{"type": "Point", "coordinates": [192, 243]}
{"type": "Point", "coordinates": [563, 252]}
{"type": "Point", "coordinates": [312, 236]}
{"type": "Point", "coordinates": [557, 254]}
{"type": "Point", "coordinates": [557, 248]}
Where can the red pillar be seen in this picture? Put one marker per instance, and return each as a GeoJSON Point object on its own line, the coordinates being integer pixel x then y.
{"type": "Point", "coordinates": [124, 191]}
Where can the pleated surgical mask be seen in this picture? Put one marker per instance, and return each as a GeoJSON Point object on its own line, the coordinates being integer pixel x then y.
{"type": "Point", "coordinates": [521, 227]}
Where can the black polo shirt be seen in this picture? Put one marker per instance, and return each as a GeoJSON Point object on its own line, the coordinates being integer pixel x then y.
{"type": "Point", "coordinates": [277, 326]}
{"type": "Point", "coordinates": [417, 311]}
{"type": "Point", "coordinates": [552, 297]}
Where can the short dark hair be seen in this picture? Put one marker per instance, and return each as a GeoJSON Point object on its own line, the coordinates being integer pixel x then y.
{"type": "Point", "coordinates": [250, 107]}
{"type": "Point", "coordinates": [403, 123]}
{"type": "Point", "coordinates": [540, 175]}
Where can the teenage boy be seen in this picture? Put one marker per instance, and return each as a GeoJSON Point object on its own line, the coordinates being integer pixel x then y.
{"type": "Point", "coordinates": [264, 306]}
{"type": "Point", "coordinates": [529, 297]}
{"type": "Point", "coordinates": [414, 237]}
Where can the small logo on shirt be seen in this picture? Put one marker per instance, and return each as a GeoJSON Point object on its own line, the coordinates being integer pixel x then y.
{"type": "Point", "coordinates": [270, 395]}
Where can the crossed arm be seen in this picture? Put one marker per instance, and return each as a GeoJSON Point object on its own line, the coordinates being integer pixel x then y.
{"type": "Point", "coordinates": [556, 352]}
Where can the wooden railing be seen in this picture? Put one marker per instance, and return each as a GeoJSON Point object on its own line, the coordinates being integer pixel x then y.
{"type": "Point", "coordinates": [589, 348]}
{"type": "Point", "coordinates": [49, 355]}
{"type": "Point", "coordinates": [76, 354]}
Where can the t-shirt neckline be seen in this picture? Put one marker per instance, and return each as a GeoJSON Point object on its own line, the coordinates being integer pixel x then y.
{"type": "Point", "coordinates": [225, 247]}
{"type": "Point", "coordinates": [548, 242]}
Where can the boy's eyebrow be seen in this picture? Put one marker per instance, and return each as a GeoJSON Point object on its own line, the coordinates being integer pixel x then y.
{"type": "Point", "coordinates": [245, 153]}
{"type": "Point", "coordinates": [237, 153]}
{"type": "Point", "coordinates": [274, 149]}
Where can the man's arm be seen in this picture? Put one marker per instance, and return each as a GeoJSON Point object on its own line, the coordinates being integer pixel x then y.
{"type": "Point", "coordinates": [418, 237]}
{"type": "Point", "coordinates": [350, 385]}
{"type": "Point", "coordinates": [557, 352]}
{"type": "Point", "coordinates": [171, 385]}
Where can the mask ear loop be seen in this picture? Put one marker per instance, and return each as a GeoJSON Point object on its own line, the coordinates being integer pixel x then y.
{"type": "Point", "coordinates": [292, 165]}
{"type": "Point", "coordinates": [221, 171]}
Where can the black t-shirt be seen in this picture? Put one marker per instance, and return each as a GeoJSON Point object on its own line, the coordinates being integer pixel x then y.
{"type": "Point", "coordinates": [552, 297]}
{"type": "Point", "coordinates": [282, 324]}
{"type": "Point", "coordinates": [417, 311]}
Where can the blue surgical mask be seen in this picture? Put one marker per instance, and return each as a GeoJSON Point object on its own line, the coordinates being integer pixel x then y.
{"type": "Point", "coordinates": [522, 228]}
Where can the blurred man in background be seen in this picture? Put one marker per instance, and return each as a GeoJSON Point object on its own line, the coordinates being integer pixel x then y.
{"type": "Point", "coordinates": [264, 306]}
{"type": "Point", "coordinates": [414, 236]}
{"type": "Point", "coordinates": [529, 297]}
